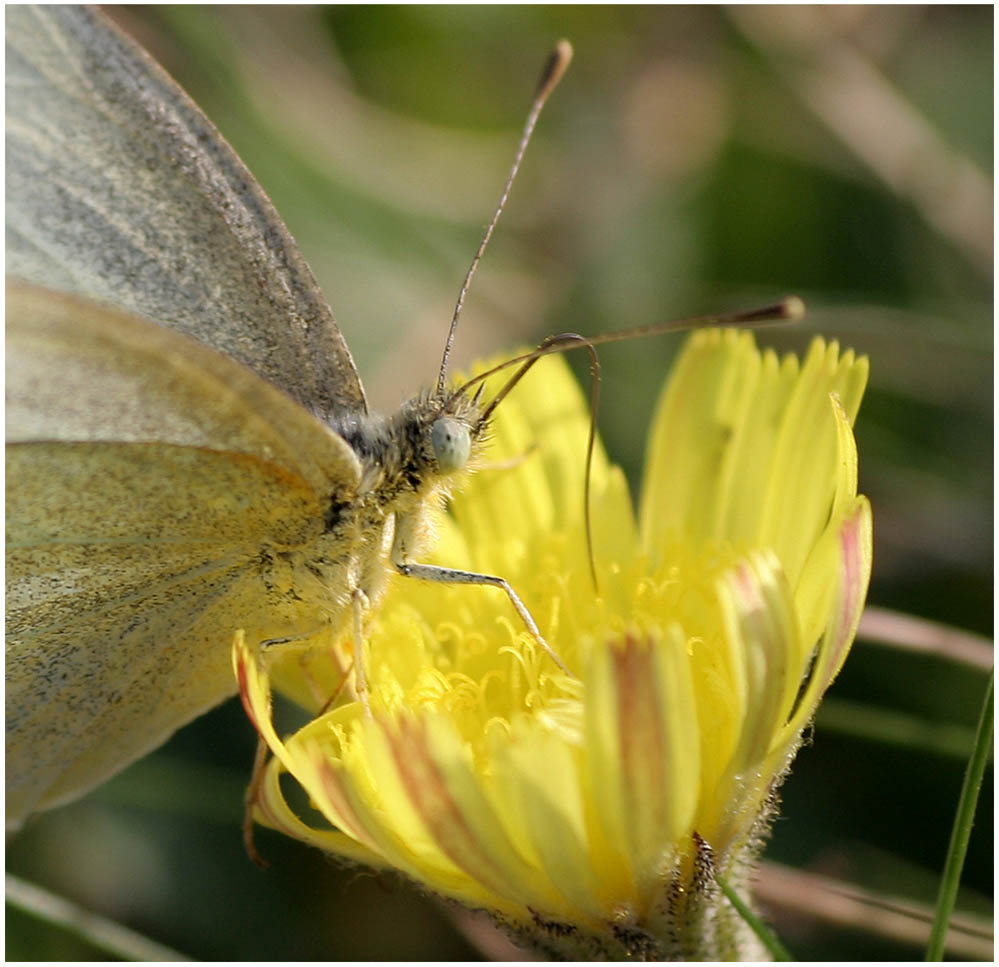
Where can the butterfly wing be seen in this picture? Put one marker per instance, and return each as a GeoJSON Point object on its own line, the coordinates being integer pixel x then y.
{"type": "Point", "coordinates": [120, 189]}
{"type": "Point", "coordinates": [148, 478]}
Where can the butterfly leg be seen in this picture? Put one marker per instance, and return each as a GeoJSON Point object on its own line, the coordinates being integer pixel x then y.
{"type": "Point", "coordinates": [447, 575]}
{"type": "Point", "coordinates": [250, 800]}
{"type": "Point", "coordinates": [360, 604]}
{"type": "Point", "coordinates": [308, 651]}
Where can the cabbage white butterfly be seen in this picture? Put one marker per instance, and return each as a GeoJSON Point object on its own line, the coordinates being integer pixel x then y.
{"type": "Point", "coordinates": [188, 443]}
{"type": "Point", "coordinates": [189, 449]}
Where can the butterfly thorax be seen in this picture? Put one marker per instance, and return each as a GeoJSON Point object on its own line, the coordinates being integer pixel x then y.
{"type": "Point", "coordinates": [410, 461]}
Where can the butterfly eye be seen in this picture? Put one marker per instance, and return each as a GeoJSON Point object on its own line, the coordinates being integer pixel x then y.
{"type": "Point", "coordinates": [452, 443]}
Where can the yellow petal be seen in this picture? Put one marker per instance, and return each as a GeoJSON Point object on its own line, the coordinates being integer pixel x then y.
{"type": "Point", "coordinates": [543, 773]}
{"type": "Point", "coordinates": [709, 392]}
{"type": "Point", "coordinates": [805, 466]}
{"type": "Point", "coordinates": [643, 747]}
{"type": "Point", "coordinates": [853, 542]}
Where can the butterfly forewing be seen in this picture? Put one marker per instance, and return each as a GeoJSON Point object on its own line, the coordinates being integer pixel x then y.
{"type": "Point", "coordinates": [120, 189]}
{"type": "Point", "coordinates": [80, 371]}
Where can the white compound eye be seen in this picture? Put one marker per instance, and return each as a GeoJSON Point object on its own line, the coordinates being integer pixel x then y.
{"type": "Point", "coordinates": [452, 443]}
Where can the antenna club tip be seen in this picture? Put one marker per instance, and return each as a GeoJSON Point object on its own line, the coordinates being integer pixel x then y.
{"type": "Point", "coordinates": [793, 308]}
{"type": "Point", "coordinates": [557, 65]}
{"type": "Point", "coordinates": [563, 52]}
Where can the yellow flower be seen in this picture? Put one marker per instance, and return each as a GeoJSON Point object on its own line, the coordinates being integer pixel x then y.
{"type": "Point", "coordinates": [591, 812]}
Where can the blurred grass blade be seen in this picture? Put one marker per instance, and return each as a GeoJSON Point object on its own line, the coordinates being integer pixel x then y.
{"type": "Point", "coordinates": [766, 936]}
{"type": "Point", "coordinates": [883, 626]}
{"type": "Point", "coordinates": [98, 931]}
{"type": "Point", "coordinates": [831, 76]}
{"type": "Point", "coordinates": [859, 909]}
{"type": "Point", "coordinates": [962, 827]}
{"type": "Point", "coordinates": [873, 723]}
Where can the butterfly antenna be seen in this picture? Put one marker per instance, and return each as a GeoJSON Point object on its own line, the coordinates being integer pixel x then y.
{"type": "Point", "coordinates": [550, 76]}
{"type": "Point", "coordinates": [789, 309]}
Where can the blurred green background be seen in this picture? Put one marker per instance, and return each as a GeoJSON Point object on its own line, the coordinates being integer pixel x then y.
{"type": "Point", "coordinates": [694, 159]}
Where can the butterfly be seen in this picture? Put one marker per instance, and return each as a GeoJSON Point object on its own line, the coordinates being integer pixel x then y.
{"type": "Point", "coordinates": [189, 448]}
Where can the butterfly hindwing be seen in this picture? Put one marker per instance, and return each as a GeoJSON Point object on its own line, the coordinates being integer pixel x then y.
{"type": "Point", "coordinates": [150, 484]}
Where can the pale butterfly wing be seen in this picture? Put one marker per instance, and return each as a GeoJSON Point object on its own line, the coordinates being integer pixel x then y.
{"type": "Point", "coordinates": [147, 478]}
{"type": "Point", "coordinates": [120, 189]}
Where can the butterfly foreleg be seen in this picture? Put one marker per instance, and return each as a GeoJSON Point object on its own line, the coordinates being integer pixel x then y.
{"type": "Point", "coordinates": [410, 528]}
{"type": "Point", "coordinates": [448, 575]}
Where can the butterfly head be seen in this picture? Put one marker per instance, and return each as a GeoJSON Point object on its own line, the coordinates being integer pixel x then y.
{"type": "Point", "coordinates": [457, 430]}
